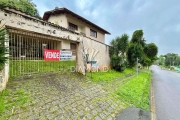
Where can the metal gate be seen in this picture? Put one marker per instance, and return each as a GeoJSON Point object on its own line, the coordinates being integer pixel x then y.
{"type": "Point", "coordinates": [27, 54]}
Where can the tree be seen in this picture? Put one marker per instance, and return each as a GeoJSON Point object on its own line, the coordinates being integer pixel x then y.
{"type": "Point", "coordinates": [26, 6]}
{"type": "Point", "coordinates": [136, 48]}
{"type": "Point", "coordinates": [137, 36]}
{"type": "Point", "coordinates": [122, 43]}
{"type": "Point", "coordinates": [151, 50]}
{"type": "Point", "coordinates": [134, 51]}
{"type": "Point", "coordinates": [113, 49]}
{"type": "Point", "coordinates": [171, 59]}
{"type": "Point", "coordinates": [117, 51]}
{"type": "Point", "coordinates": [146, 53]}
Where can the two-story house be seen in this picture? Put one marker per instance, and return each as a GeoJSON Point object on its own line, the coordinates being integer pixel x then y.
{"type": "Point", "coordinates": [94, 35]}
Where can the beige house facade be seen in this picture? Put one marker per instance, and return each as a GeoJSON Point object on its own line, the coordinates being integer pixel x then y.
{"type": "Point", "coordinates": [60, 29]}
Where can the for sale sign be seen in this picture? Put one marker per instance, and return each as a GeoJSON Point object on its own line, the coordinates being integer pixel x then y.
{"type": "Point", "coordinates": [56, 55]}
{"type": "Point", "coordinates": [65, 55]}
{"type": "Point", "coordinates": [53, 55]}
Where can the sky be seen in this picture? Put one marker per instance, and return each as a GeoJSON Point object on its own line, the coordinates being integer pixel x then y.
{"type": "Point", "coordinates": [159, 19]}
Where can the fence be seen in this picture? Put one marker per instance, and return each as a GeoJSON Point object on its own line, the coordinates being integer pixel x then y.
{"type": "Point", "coordinates": [27, 54]}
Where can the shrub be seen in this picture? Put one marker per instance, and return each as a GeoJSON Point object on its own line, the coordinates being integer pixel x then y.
{"type": "Point", "coordinates": [118, 63]}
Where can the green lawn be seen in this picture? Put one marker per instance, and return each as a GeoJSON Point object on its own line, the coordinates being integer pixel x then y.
{"type": "Point", "coordinates": [109, 75]}
{"type": "Point", "coordinates": [18, 68]}
{"type": "Point", "coordinates": [136, 91]}
{"type": "Point", "coordinates": [13, 99]}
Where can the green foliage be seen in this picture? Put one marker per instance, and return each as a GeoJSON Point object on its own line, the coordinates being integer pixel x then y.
{"type": "Point", "coordinates": [151, 50]}
{"type": "Point", "coordinates": [108, 75]}
{"type": "Point", "coordinates": [119, 47]}
{"type": "Point", "coordinates": [3, 58]}
{"type": "Point", "coordinates": [122, 43]}
{"type": "Point", "coordinates": [136, 91]}
{"type": "Point", "coordinates": [18, 68]}
{"type": "Point", "coordinates": [118, 63]}
{"type": "Point", "coordinates": [135, 51]}
{"type": "Point", "coordinates": [26, 6]}
{"type": "Point", "coordinates": [146, 53]}
{"type": "Point", "coordinates": [137, 36]}
{"type": "Point", "coordinates": [114, 48]}
{"type": "Point", "coordinates": [172, 59]}
{"type": "Point", "coordinates": [8, 99]}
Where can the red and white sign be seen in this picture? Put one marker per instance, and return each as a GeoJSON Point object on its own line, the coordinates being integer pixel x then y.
{"type": "Point", "coordinates": [56, 55]}
{"type": "Point", "coordinates": [53, 55]}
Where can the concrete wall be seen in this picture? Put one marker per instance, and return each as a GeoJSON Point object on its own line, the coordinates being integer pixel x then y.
{"type": "Point", "coordinates": [34, 25]}
{"type": "Point", "coordinates": [2, 80]}
{"type": "Point", "coordinates": [96, 50]}
{"type": "Point", "coordinates": [100, 52]}
{"type": "Point", "coordinates": [59, 20]}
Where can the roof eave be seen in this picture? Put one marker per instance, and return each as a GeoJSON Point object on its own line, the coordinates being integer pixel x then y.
{"type": "Point", "coordinates": [65, 10]}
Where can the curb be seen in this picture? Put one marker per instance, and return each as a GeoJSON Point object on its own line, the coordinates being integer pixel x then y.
{"type": "Point", "coordinates": [153, 114]}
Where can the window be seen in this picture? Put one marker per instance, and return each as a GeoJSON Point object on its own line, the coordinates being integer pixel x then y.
{"type": "Point", "coordinates": [73, 26]}
{"type": "Point", "coordinates": [93, 33]}
{"type": "Point", "coordinates": [73, 48]}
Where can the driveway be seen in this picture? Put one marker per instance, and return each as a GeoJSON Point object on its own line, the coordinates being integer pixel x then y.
{"type": "Point", "coordinates": [166, 94]}
{"type": "Point", "coordinates": [63, 97]}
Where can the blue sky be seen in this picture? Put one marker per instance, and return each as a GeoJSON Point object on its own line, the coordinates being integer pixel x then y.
{"type": "Point", "coordinates": [159, 19]}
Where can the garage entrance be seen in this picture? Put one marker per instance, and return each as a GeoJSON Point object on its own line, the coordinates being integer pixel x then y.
{"type": "Point", "coordinates": [27, 54]}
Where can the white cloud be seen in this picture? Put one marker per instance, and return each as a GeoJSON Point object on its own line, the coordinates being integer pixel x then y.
{"type": "Point", "coordinates": [158, 19]}
{"type": "Point", "coordinates": [84, 4]}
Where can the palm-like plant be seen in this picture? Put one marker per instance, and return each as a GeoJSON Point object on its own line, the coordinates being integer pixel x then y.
{"type": "Point", "coordinates": [3, 58]}
{"type": "Point", "coordinates": [123, 43]}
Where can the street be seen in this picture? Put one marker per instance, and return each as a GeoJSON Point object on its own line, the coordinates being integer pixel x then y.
{"type": "Point", "coordinates": [166, 94]}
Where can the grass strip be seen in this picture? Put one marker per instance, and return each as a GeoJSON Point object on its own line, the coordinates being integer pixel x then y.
{"type": "Point", "coordinates": [136, 91]}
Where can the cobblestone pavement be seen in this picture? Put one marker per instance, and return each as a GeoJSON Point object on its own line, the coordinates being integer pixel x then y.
{"type": "Point", "coordinates": [65, 97]}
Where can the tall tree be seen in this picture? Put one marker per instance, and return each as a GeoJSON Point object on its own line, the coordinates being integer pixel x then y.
{"type": "Point", "coordinates": [137, 36]}
{"type": "Point", "coordinates": [122, 43]}
{"type": "Point", "coordinates": [138, 49]}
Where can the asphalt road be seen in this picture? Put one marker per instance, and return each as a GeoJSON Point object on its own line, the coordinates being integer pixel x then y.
{"type": "Point", "coordinates": [166, 94]}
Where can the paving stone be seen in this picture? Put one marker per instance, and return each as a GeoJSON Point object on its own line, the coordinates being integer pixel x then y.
{"type": "Point", "coordinates": [97, 118]}
{"type": "Point", "coordinates": [102, 115]}
{"type": "Point", "coordinates": [109, 118]}
{"type": "Point", "coordinates": [94, 112]}
{"type": "Point", "coordinates": [60, 97]}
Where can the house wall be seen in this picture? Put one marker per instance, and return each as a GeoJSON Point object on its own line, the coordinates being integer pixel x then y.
{"type": "Point", "coordinates": [66, 45]}
{"type": "Point", "coordinates": [59, 20]}
{"type": "Point", "coordinates": [82, 26]}
{"type": "Point", "coordinates": [100, 35]}
{"type": "Point", "coordinates": [102, 56]}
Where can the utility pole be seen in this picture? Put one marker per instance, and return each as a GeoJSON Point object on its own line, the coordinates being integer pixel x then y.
{"type": "Point", "coordinates": [137, 66]}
